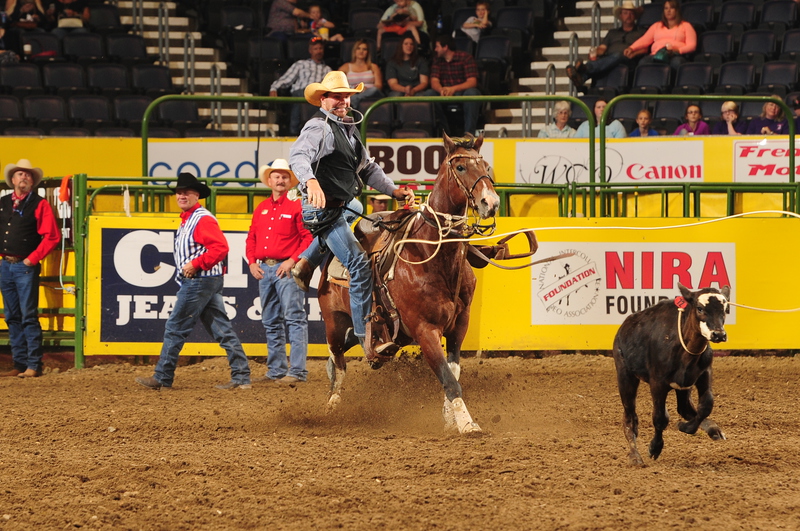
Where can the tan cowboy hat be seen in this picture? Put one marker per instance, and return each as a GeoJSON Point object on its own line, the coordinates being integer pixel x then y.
{"type": "Point", "coordinates": [334, 81]}
{"type": "Point", "coordinates": [381, 197]}
{"type": "Point", "coordinates": [628, 4]}
{"type": "Point", "coordinates": [277, 165]}
{"type": "Point", "coordinates": [23, 164]}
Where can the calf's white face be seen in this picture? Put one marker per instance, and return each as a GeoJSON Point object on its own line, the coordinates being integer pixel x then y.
{"type": "Point", "coordinates": [712, 308]}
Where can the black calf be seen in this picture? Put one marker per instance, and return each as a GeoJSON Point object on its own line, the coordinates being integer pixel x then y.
{"type": "Point", "coordinates": [668, 347]}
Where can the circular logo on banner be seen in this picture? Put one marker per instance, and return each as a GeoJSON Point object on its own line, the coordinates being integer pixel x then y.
{"type": "Point", "coordinates": [569, 287]}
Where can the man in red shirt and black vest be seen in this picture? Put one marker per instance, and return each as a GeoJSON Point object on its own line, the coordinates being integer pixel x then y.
{"type": "Point", "coordinates": [276, 238]}
{"type": "Point", "coordinates": [30, 232]}
{"type": "Point", "coordinates": [200, 250]}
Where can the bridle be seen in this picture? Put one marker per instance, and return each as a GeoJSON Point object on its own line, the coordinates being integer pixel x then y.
{"type": "Point", "coordinates": [452, 174]}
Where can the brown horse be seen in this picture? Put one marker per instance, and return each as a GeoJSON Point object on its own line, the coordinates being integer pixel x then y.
{"type": "Point", "coordinates": [433, 285]}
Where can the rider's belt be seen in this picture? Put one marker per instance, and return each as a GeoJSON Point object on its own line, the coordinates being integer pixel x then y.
{"type": "Point", "coordinates": [13, 259]}
{"type": "Point", "coordinates": [271, 261]}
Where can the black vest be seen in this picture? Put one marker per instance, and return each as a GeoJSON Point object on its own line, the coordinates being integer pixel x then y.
{"type": "Point", "coordinates": [336, 172]}
{"type": "Point", "coordinates": [19, 231]}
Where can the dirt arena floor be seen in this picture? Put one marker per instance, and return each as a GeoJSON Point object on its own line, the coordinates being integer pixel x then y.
{"type": "Point", "coordinates": [92, 449]}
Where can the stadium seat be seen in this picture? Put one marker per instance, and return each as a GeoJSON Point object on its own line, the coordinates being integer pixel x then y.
{"type": "Point", "coordinates": [163, 132]}
{"type": "Point", "coordinates": [778, 15]}
{"type": "Point", "coordinates": [297, 47]}
{"type": "Point", "coordinates": [700, 14]}
{"type": "Point", "coordinates": [714, 47]}
{"type": "Point", "coordinates": [736, 77]}
{"type": "Point", "coordinates": [152, 80]}
{"type": "Point", "coordinates": [21, 79]}
{"type": "Point", "coordinates": [116, 132]}
{"type": "Point", "coordinates": [790, 47]}
{"type": "Point", "coordinates": [381, 118]}
{"type": "Point", "coordinates": [24, 131]}
{"type": "Point", "coordinates": [389, 44]}
{"type": "Point", "coordinates": [181, 115]}
{"type": "Point", "coordinates": [64, 79]}
{"type": "Point", "coordinates": [460, 15]}
{"type": "Point", "coordinates": [416, 115]}
{"type": "Point", "coordinates": [612, 84]}
{"type": "Point", "coordinates": [10, 112]}
{"type": "Point", "coordinates": [45, 111]}
{"type": "Point", "coordinates": [410, 133]}
{"type": "Point", "coordinates": [90, 112]}
{"type": "Point", "coordinates": [108, 79]}
{"type": "Point", "coordinates": [757, 46]}
{"type": "Point", "coordinates": [84, 48]}
{"type": "Point", "coordinates": [668, 115]}
{"type": "Point", "coordinates": [778, 77]}
{"type": "Point", "coordinates": [128, 49]}
{"type": "Point", "coordinates": [651, 78]}
{"type": "Point", "coordinates": [626, 112]}
{"type": "Point", "coordinates": [129, 110]}
{"type": "Point", "coordinates": [364, 22]}
{"type": "Point", "coordinates": [651, 13]}
{"type": "Point", "coordinates": [516, 23]}
{"type": "Point", "coordinates": [45, 47]}
{"type": "Point", "coordinates": [104, 19]}
{"type": "Point", "coordinates": [737, 16]}
{"type": "Point", "coordinates": [70, 131]}
{"type": "Point", "coordinates": [577, 117]}
{"type": "Point", "coordinates": [693, 78]}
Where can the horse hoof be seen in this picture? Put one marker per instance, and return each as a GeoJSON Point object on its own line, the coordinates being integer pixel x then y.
{"type": "Point", "coordinates": [376, 364]}
{"type": "Point", "coordinates": [636, 460]}
{"type": "Point", "coordinates": [333, 402]}
{"type": "Point", "coordinates": [716, 434]}
{"type": "Point", "coordinates": [470, 428]}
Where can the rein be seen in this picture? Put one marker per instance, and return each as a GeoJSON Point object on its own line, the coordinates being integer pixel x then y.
{"type": "Point", "coordinates": [680, 302]}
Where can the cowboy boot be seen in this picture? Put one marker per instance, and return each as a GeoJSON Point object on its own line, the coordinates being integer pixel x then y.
{"type": "Point", "coordinates": [302, 273]}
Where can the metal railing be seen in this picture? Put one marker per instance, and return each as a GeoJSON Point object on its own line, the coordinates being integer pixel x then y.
{"type": "Point", "coordinates": [189, 63]}
{"type": "Point", "coordinates": [163, 34]}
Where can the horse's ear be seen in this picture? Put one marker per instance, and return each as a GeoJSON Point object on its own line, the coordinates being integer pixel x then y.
{"type": "Point", "coordinates": [478, 143]}
{"type": "Point", "coordinates": [449, 146]}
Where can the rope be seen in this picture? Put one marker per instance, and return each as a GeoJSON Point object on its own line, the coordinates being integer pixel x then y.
{"type": "Point", "coordinates": [680, 335]}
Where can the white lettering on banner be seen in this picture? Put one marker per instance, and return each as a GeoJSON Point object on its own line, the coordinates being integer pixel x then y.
{"type": "Point", "coordinates": [623, 277]}
{"type": "Point", "coordinates": [128, 253]}
{"type": "Point", "coordinates": [236, 277]}
{"type": "Point", "coordinates": [157, 307]}
{"type": "Point", "coordinates": [762, 161]}
{"type": "Point", "coordinates": [554, 162]}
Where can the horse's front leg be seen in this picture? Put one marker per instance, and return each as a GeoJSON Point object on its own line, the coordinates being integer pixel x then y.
{"type": "Point", "coordinates": [453, 341]}
{"type": "Point", "coordinates": [430, 342]}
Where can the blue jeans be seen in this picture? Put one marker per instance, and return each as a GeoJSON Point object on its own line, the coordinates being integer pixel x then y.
{"type": "Point", "coordinates": [604, 64]}
{"type": "Point", "coordinates": [200, 298]}
{"type": "Point", "coordinates": [317, 253]}
{"type": "Point", "coordinates": [19, 285]}
{"type": "Point", "coordinates": [283, 303]}
{"type": "Point", "coordinates": [675, 61]}
{"type": "Point", "coordinates": [294, 116]}
{"type": "Point", "coordinates": [339, 238]}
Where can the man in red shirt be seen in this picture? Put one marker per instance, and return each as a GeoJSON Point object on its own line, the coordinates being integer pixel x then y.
{"type": "Point", "coordinates": [200, 250]}
{"type": "Point", "coordinates": [455, 73]}
{"type": "Point", "coordinates": [276, 238]}
{"type": "Point", "coordinates": [29, 233]}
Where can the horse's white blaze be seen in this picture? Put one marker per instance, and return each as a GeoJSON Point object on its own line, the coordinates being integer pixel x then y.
{"type": "Point", "coordinates": [463, 419]}
{"type": "Point", "coordinates": [491, 198]}
{"type": "Point", "coordinates": [455, 368]}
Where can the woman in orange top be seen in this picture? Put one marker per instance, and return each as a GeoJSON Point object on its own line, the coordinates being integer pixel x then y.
{"type": "Point", "coordinates": [673, 34]}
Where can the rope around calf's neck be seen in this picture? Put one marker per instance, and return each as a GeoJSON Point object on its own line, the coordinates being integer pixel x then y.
{"type": "Point", "coordinates": [680, 336]}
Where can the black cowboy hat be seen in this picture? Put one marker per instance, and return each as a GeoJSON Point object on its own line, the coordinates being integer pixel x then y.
{"type": "Point", "coordinates": [187, 180]}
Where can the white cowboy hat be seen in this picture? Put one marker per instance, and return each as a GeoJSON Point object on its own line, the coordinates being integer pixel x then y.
{"type": "Point", "coordinates": [277, 165]}
{"type": "Point", "coordinates": [628, 4]}
{"type": "Point", "coordinates": [334, 81]}
{"type": "Point", "coordinates": [23, 164]}
{"type": "Point", "coordinates": [381, 197]}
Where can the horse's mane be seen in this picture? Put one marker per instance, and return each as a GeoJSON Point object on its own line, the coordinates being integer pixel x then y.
{"type": "Point", "coordinates": [466, 142]}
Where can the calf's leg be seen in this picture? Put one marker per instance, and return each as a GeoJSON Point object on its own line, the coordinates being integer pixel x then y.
{"type": "Point", "coordinates": [704, 406]}
{"type": "Point", "coordinates": [628, 386]}
{"type": "Point", "coordinates": [659, 393]}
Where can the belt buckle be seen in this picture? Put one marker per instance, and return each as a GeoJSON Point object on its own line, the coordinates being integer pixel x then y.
{"type": "Point", "coordinates": [272, 262]}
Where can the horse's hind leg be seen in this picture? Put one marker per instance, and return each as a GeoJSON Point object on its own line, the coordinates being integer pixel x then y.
{"type": "Point", "coordinates": [338, 344]}
{"type": "Point", "coordinates": [430, 342]}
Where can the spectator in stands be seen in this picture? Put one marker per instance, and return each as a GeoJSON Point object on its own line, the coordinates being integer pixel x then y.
{"type": "Point", "coordinates": [380, 202]}
{"type": "Point", "coordinates": [643, 121]}
{"type": "Point", "coordinates": [771, 121]}
{"type": "Point", "coordinates": [613, 130]}
{"type": "Point", "coordinates": [29, 234]}
{"type": "Point", "coordinates": [321, 27]}
{"type": "Point", "coordinates": [407, 74]}
{"type": "Point", "coordinates": [455, 73]}
{"type": "Point", "coordinates": [730, 123]}
{"type": "Point", "coordinates": [796, 107]}
{"type": "Point", "coordinates": [670, 41]}
{"type": "Point", "coordinates": [301, 74]}
{"type": "Point", "coordinates": [403, 17]}
{"type": "Point", "coordinates": [282, 19]}
{"type": "Point", "coordinates": [694, 125]}
{"type": "Point", "coordinates": [25, 14]}
{"type": "Point", "coordinates": [479, 24]}
{"type": "Point", "coordinates": [361, 69]}
{"type": "Point", "coordinates": [200, 253]}
{"type": "Point", "coordinates": [610, 53]}
{"type": "Point", "coordinates": [559, 127]}
{"type": "Point", "coordinates": [68, 16]}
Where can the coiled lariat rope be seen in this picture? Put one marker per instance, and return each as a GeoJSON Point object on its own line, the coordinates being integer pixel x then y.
{"type": "Point", "coordinates": [442, 239]}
